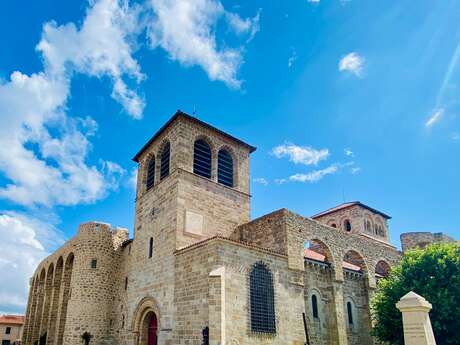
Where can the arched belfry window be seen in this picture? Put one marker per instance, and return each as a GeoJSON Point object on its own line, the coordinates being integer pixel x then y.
{"type": "Point", "coordinates": [164, 166]}
{"type": "Point", "coordinates": [262, 299]}
{"type": "Point", "coordinates": [314, 306]}
{"type": "Point", "coordinates": [225, 168]}
{"type": "Point", "coordinates": [350, 313]}
{"type": "Point", "coordinates": [150, 247]}
{"type": "Point", "coordinates": [150, 173]}
{"type": "Point", "coordinates": [347, 225]}
{"type": "Point", "coordinates": [202, 158]}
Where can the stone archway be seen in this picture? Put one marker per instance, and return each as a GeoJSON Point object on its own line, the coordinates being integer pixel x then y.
{"type": "Point", "coordinates": [146, 322]}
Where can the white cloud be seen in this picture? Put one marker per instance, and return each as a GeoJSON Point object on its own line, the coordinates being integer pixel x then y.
{"type": "Point", "coordinates": [22, 247]}
{"type": "Point", "coordinates": [244, 26]}
{"type": "Point", "coordinates": [352, 63]}
{"type": "Point", "coordinates": [292, 58]}
{"type": "Point", "coordinates": [300, 154]}
{"type": "Point", "coordinates": [186, 29]}
{"type": "Point", "coordinates": [455, 136]}
{"type": "Point", "coordinates": [355, 170]}
{"type": "Point", "coordinates": [113, 173]}
{"type": "Point", "coordinates": [133, 178]}
{"type": "Point", "coordinates": [348, 152]}
{"type": "Point", "coordinates": [315, 1]}
{"type": "Point", "coordinates": [101, 47]}
{"type": "Point", "coordinates": [43, 152]}
{"type": "Point", "coordinates": [261, 180]}
{"type": "Point", "coordinates": [315, 175]}
{"type": "Point", "coordinates": [434, 118]}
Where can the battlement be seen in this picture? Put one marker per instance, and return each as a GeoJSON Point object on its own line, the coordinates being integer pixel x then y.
{"type": "Point", "coordinates": [103, 231]}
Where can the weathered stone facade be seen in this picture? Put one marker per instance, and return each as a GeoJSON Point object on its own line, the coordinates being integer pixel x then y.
{"type": "Point", "coordinates": [11, 328]}
{"type": "Point", "coordinates": [190, 267]}
{"type": "Point", "coordinates": [412, 240]}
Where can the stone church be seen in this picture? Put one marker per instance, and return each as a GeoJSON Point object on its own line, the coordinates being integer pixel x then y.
{"type": "Point", "coordinates": [199, 271]}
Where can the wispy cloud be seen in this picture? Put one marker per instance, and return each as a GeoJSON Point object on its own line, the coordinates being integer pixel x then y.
{"type": "Point", "coordinates": [24, 242]}
{"type": "Point", "coordinates": [315, 175]}
{"type": "Point", "coordinates": [352, 63]}
{"type": "Point", "coordinates": [355, 170]}
{"type": "Point", "coordinates": [300, 154]}
{"type": "Point", "coordinates": [186, 30]}
{"type": "Point", "coordinates": [348, 152]}
{"type": "Point", "coordinates": [434, 118]}
{"type": "Point", "coordinates": [455, 136]}
{"type": "Point", "coordinates": [261, 180]}
{"type": "Point", "coordinates": [292, 58]}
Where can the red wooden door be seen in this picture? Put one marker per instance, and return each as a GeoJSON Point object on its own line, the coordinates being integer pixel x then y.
{"type": "Point", "coordinates": [153, 330]}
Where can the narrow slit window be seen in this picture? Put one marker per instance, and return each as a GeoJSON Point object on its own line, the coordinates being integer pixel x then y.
{"type": "Point", "coordinates": [225, 168]}
{"type": "Point", "coordinates": [150, 247]}
{"type": "Point", "coordinates": [350, 313]}
{"type": "Point", "coordinates": [202, 158]}
{"type": "Point", "coordinates": [94, 263]}
{"type": "Point", "coordinates": [165, 157]}
{"type": "Point", "coordinates": [151, 173]}
{"type": "Point", "coordinates": [314, 306]}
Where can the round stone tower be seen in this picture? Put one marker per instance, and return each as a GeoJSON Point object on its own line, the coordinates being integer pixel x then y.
{"type": "Point", "coordinates": [93, 285]}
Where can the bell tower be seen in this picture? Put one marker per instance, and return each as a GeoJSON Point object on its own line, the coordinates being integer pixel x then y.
{"type": "Point", "coordinates": [193, 182]}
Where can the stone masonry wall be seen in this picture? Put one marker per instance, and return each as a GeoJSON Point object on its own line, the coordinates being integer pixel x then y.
{"type": "Point", "coordinates": [412, 240]}
{"type": "Point", "coordinates": [15, 332]}
{"type": "Point", "coordinates": [236, 260]}
{"type": "Point", "coordinates": [357, 216]}
{"type": "Point", "coordinates": [68, 295]}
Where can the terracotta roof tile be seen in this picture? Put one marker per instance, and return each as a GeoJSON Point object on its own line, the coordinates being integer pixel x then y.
{"type": "Point", "coordinates": [12, 319]}
{"type": "Point", "coordinates": [312, 255]}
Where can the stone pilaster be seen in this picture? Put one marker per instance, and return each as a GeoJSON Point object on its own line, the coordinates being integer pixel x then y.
{"type": "Point", "coordinates": [339, 332]}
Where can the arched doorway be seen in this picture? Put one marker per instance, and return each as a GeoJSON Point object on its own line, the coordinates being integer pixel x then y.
{"type": "Point", "coordinates": [146, 322]}
{"type": "Point", "coordinates": [151, 328]}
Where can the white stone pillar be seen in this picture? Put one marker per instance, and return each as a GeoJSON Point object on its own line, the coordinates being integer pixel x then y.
{"type": "Point", "coordinates": [416, 321]}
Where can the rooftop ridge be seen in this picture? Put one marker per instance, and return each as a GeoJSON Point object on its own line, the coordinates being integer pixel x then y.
{"type": "Point", "coordinates": [347, 205]}
{"type": "Point", "coordinates": [180, 113]}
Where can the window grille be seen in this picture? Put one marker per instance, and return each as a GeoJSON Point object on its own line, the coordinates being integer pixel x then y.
{"type": "Point", "coordinates": [314, 306]}
{"type": "Point", "coordinates": [202, 159]}
{"type": "Point", "coordinates": [8, 330]}
{"type": "Point", "coordinates": [164, 166]}
{"type": "Point", "coordinates": [262, 300]}
{"type": "Point", "coordinates": [350, 313]}
{"type": "Point", "coordinates": [225, 168]}
{"type": "Point", "coordinates": [151, 173]}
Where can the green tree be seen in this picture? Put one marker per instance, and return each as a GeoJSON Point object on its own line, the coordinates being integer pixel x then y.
{"type": "Point", "coordinates": [433, 273]}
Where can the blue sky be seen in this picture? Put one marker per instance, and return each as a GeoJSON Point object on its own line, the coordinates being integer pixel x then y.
{"type": "Point", "coordinates": [345, 100]}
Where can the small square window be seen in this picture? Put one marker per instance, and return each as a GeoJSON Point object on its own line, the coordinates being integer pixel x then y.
{"type": "Point", "coordinates": [93, 263]}
{"type": "Point", "coordinates": [8, 330]}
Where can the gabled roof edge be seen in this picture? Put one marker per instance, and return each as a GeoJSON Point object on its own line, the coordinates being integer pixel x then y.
{"type": "Point", "coordinates": [178, 114]}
